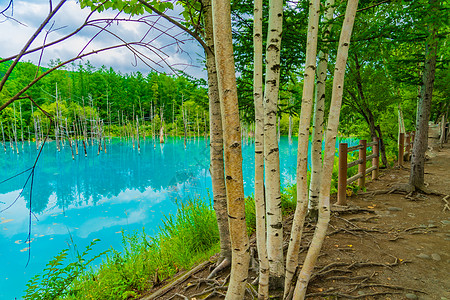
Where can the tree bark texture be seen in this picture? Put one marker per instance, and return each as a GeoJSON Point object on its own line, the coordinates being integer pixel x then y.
{"type": "Point", "coordinates": [303, 141]}
{"type": "Point", "coordinates": [318, 123]}
{"type": "Point", "coordinates": [232, 148]}
{"type": "Point", "coordinates": [417, 175]}
{"type": "Point", "coordinates": [216, 140]}
{"type": "Point", "coordinates": [330, 144]}
{"type": "Point", "coordinates": [271, 151]}
{"type": "Point", "coordinates": [260, 202]}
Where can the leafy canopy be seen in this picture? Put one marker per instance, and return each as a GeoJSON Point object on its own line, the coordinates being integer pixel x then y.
{"type": "Point", "coordinates": [132, 7]}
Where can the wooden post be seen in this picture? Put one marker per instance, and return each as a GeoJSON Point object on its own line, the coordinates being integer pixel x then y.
{"type": "Point", "coordinates": [413, 135]}
{"type": "Point", "coordinates": [401, 148]}
{"type": "Point", "coordinates": [362, 165]}
{"type": "Point", "coordinates": [342, 175]}
{"type": "Point", "coordinates": [376, 159]}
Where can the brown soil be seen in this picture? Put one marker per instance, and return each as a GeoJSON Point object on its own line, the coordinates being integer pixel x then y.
{"type": "Point", "coordinates": [385, 246]}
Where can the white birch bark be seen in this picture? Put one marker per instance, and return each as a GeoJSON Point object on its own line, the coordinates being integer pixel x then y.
{"type": "Point", "coordinates": [260, 202]}
{"type": "Point", "coordinates": [271, 151]}
{"type": "Point", "coordinates": [232, 148]}
{"type": "Point", "coordinates": [319, 107]}
{"type": "Point", "coordinates": [303, 140]}
{"type": "Point", "coordinates": [330, 143]}
{"type": "Point", "coordinates": [216, 135]}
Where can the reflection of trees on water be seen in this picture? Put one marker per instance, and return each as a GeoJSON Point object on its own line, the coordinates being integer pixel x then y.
{"type": "Point", "coordinates": [86, 180]}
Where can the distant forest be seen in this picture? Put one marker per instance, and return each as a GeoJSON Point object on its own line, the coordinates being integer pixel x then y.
{"type": "Point", "coordinates": [104, 94]}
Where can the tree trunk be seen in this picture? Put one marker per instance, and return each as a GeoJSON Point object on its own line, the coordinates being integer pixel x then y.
{"type": "Point", "coordinates": [330, 144]}
{"type": "Point", "coordinates": [416, 178]}
{"type": "Point", "coordinates": [303, 141]}
{"type": "Point", "coordinates": [317, 130]}
{"type": "Point", "coordinates": [260, 202]}
{"type": "Point", "coordinates": [216, 134]}
{"type": "Point", "coordinates": [232, 148]}
{"type": "Point", "coordinates": [271, 151]}
{"type": "Point", "coordinates": [368, 115]}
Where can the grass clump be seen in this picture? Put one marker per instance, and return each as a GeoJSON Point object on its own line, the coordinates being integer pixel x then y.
{"type": "Point", "coordinates": [183, 240]}
{"type": "Point", "coordinates": [250, 214]}
{"type": "Point", "coordinates": [57, 276]}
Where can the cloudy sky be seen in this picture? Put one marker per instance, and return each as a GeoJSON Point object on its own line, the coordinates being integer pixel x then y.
{"type": "Point", "coordinates": [165, 45]}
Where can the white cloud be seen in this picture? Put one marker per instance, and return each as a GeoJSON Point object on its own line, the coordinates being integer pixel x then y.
{"type": "Point", "coordinates": [51, 222]}
{"type": "Point", "coordinates": [31, 13]}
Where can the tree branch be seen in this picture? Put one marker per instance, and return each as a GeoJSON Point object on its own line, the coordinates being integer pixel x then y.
{"type": "Point", "coordinates": [33, 37]}
{"type": "Point", "coordinates": [179, 25]}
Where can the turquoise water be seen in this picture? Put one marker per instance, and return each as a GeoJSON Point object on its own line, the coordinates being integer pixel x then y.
{"type": "Point", "coordinates": [99, 197]}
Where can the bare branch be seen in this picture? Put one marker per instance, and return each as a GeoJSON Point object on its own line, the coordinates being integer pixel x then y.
{"type": "Point", "coordinates": [179, 25]}
{"type": "Point", "coordinates": [29, 85]}
{"type": "Point", "coordinates": [9, 5]}
{"type": "Point", "coordinates": [33, 37]}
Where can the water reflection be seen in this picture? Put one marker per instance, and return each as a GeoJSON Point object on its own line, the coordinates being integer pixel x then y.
{"type": "Point", "coordinates": [100, 196]}
{"type": "Point", "coordinates": [97, 196]}
{"type": "Point", "coordinates": [86, 180]}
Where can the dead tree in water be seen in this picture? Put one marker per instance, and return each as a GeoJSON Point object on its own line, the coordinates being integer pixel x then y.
{"type": "Point", "coordinates": [3, 136]}
{"type": "Point", "coordinates": [68, 138]}
{"type": "Point", "coordinates": [137, 133]}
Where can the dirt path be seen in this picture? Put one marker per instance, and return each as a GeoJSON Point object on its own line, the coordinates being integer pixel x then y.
{"type": "Point", "coordinates": [388, 247]}
{"type": "Point", "coordinates": [412, 233]}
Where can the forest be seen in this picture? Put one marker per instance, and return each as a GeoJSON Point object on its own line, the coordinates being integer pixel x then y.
{"type": "Point", "coordinates": [87, 93]}
{"type": "Point", "coordinates": [314, 70]}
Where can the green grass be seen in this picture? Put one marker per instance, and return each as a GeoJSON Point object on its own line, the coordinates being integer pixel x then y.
{"type": "Point", "coordinates": [184, 240]}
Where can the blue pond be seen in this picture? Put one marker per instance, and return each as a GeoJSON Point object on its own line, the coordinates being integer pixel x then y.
{"type": "Point", "coordinates": [99, 197]}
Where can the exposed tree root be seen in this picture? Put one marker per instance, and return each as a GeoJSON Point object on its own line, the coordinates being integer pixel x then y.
{"type": "Point", "coordinates": [349, 210]}
{"type": "Point", "coordinates": [395, 287]}
{"type": "Point", "coordinates": [415, 197]}
{"type": "Point", "coordinates": [419, 230]}
{"type": "Point", "coordinates": [361, 219]}
{"type": "Point", "coordinates": [347, 277]}
{"type": "Point", "coordinates": [341, 295]}
{"type": "Point", "coordinates": [199, 281]}
{"type": "Point", "coordinates": [211, 292]}
{"type": "Point", "coordinates": [225, 263]}
{"type": "Point", "coordinates": [176, 282]}
{"type": "Point", "coordinates": [446, 205]}
{"type": "Point", "coordinates": [178, 295]}
{"type": "Point", "coordinates": [405, 189]}
{"type": "Point", "coordinates": [214, 289]}
{"type": "Point", "coordinates": [353, 230]}
{"type": "Point", "coordinates": [343, 267]}
{"type": "Point", "coordinates": [424, 190]}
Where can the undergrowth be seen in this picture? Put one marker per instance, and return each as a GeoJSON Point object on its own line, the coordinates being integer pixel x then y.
{"type": "Point", "coordinates": [183, 240]}
{"type": "Point", "coordinates": [57, 276]}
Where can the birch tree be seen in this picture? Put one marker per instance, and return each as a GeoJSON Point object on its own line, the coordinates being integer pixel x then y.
{"type": "Point", "coordinates": [216, 144]}
{"type": "Point", "coordinates": [319, 107]}
{"type": "Point", "coordinates": [232, 148]}
{"type": "Point", "coordinates": [303, 141]}
{"type": "Point", "coordinates": [271, 151]}
{"type": "Point", "coordinates": [330, 142]}
{"type": "Point", "coordinates": [260, 203]}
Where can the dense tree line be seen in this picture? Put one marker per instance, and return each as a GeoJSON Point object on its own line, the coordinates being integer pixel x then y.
{"type": "Point", "coordinates": [103, 93]}
{"type": "Point", "coordinates": [384, 71]}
